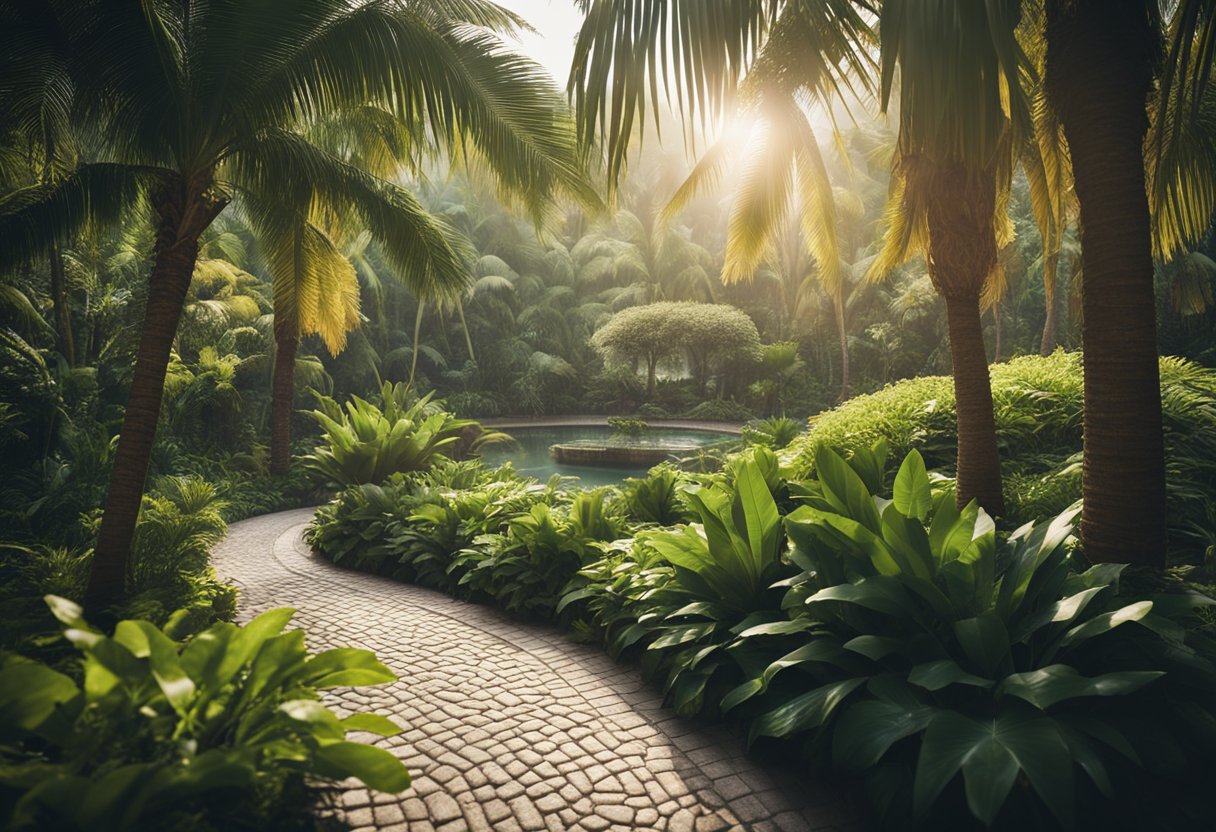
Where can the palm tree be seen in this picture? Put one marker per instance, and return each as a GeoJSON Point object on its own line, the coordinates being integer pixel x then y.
{"type": "Point", "coordinates": [961, 114]}
{"type": "Point", "coordinates": [200, 104]}
{"type": "Point", "coordinates": [1100, 76]}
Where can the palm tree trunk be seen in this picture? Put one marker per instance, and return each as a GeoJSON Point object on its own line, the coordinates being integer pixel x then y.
{"type": "Point", "coordinates": [979, 464]}
{"type": "Point", "coordinates": [996, 327]}
{"type": "Point", "coordinates": [282, 397]}
{"type": "Point", "coordinates": [59, 301]}
{"type": "Point", "coordinates": [1099, 74]}
{"type": "Point", "coordinates": [651, 364]}
{"type": "Point", "coordinates": [1051, 269]}
{"type": "Point", "coordinates": [181, 221]}
{"type": "Point", "coordinates": [1047, 344]}
{"type": "Point", "coordinates": [961, 206]}
{"type": "Point", "coordinates": [464, 324]}
{"type": "Point", "coordinates": [844, 346]}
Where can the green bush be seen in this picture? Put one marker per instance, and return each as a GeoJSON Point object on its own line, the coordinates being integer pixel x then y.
{"type": "Point", "coordinates": [655, 498]}
{"type": "Point", "coordinates": [1038, 408]}
{"type": "Point", "coordinates": [364, 443]}
{"type": "Point", "coordinates": [206, 734]}
{"type": "Point", "coordinates": [627, 426]}
{"type": "Point", "coordinates": [680, 594]}
{"type": "Point", "coordinates": [774, 432]}
{"type": "Point", "coordinates": [720, 410]}
{"type": "Point", "coordinates": [966, 674]}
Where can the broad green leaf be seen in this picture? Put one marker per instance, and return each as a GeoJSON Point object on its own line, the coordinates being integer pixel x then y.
{"type": "Point", "coordinates": [809, 710]}
{"type": "Point", "coordinates": [778, 628]}
{"type": "Point", "coordinates": [819, 650]}
{"type": "Point", "coordinates": [937, 675]}
{"type": "Point", "coordinates": [879, 593]}
{"type": "Point", "coordinates": [177, 687]}
{"type": "Point", "coordinates": [345, 666]}
{"type": "Point", "coordinates": [29, 694]}
{"type": "Point", "coordinates": [868, 729]}
{"type": "Point", "coordinates": [913, 496]}
{"type": "Point", "coordinates": [376, 767]}
{"type": "Point", "coordinates": [1105, 622]}
{"type": "Point", "coordinates": [990, 753]}
{"type": "Point", "coordinates": [320, 719]}
{"type": "Point", "coordinates": [874, 648]}
{"type": "Point", "coordinates": [1055, 683]}
{"type": "Point", "coordinates": [984, 640]}
{"type": "Point", "coordinates": [68, 612]}
{"type": "Point", "coordinates": [372, 724]}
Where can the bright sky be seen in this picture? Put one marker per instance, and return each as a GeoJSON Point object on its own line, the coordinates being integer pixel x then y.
{"type": "Point", "coordinates": [556, 23]}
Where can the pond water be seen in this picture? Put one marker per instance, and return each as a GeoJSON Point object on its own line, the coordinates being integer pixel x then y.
{"type": "Point", "coordinates": [530, 451]}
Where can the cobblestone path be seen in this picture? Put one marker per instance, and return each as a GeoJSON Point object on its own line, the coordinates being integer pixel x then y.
{"type": "Point", "coordinates": [510, 726]}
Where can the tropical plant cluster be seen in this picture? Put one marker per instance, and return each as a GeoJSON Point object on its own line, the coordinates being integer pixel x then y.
{"type": "Point", "coordinates": [971, 676]}
{"type": "Point", "coordinates": [154, 732]}
{"type": "Point", "coordinates": [1037, 407]}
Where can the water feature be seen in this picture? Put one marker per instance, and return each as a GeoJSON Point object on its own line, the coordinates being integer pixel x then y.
{"type": "Point", "coordinates": [530, 451]}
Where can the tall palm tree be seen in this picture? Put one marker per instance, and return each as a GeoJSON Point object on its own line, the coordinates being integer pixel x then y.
{"type": "Point", "coordinates": [204, 103]}
{"type": "Point", "coordinates": [960, 104]}
{"type": "Point", "coordinates": [1100, 76]}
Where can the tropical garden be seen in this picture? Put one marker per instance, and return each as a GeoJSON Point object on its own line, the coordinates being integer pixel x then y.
{"type": "Point", "coordinates": [942, 272]}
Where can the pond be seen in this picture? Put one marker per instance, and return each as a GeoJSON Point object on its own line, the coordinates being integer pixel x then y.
{"type": "Point", "coordinates": [530, 451]}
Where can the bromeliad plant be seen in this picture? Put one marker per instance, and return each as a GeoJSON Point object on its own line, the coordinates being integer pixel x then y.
{"type": "Point", "coordinates": [955, 669]}
{"type": "Point", "coordinates": [684, 593]}
{"type": "Point", "coordinates": [162, 735]}
{"type": "Point", "coordinates": [363, 443]}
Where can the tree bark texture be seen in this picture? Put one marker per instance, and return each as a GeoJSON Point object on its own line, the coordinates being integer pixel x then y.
{"type": "Point", "coordinates": [282, 397]}
{"type": "Point", "coordinates": [183, 214]}
{"type": "Point", "coordinates": [961, 205]}
{"type": "Point", "coordinates": [1099, 75]}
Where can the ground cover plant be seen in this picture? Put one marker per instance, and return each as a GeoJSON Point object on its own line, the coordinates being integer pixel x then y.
{"type": "Point", "coordinates": [155, 733]}
{"type": "Point", "coordinates": [971, 676]}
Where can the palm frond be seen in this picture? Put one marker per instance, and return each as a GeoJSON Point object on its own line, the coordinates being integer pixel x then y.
{"type": "Point", "coordinates": [34, 218]}
{"type": "Point", "coordinates": [428, 255]}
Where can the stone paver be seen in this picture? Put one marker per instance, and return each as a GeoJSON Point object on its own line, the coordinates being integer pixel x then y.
{"type": "Point", "coordinates": [510, 726]}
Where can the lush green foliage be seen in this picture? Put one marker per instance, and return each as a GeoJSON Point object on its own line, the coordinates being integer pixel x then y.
{"type": "Point", "coordinates": [363, 443]}
{"type": "Point", "coordinates": [1038, 403]}
{"type": "Point", "coordinates": [970, 676]}
{"type": "Point", "coordinates": [626, 426]}
{"type": "Point", "coordinates": [165, 734]}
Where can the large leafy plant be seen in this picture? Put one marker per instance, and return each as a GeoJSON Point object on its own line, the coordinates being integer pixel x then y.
{"type": "Point", "coordinates": [159, 730]}
{"type": "Point", "coordinates": [955, 669]}
{"type": "Point", "coordinates": [526, 566]}
{"type": "Point", "coordinates": [363, 443]}
{"type": "Point", "coordinates": [684, 593]}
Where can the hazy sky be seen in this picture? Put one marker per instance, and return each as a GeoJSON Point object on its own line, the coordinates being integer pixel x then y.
{"type": "Point", "coordinates": [556, 23]}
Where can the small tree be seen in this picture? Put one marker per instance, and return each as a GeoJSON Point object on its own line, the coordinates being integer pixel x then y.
{"type": "Point", "coordinates": [704, 333]}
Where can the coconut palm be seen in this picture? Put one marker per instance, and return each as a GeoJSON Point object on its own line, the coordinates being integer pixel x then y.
{"type": "Point", "coordinates": [961, 114]}
{"type": "Point", "coordinates": [200, 104]}
{"type": "Point", "coordinates": [1101, 64]}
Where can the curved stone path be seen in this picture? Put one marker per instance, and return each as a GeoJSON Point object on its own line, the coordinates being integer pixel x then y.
{"type": "Point", "coordinates": [509, 726]}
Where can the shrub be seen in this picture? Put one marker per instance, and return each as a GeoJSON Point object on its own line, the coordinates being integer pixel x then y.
{"type": "Point", "coordinates": [695, 585]}
{"type": "Point", "coordinates": [164, 735]}
{"type": "Point", "coordinates": [1038, 408]}
{"type": "Point", "coordinates": [720, 410]}
{"type": "Point", "coordinates": [655, 498]}
{"type": "Point", "coordinates": [965, 674]}
{"type": "Point", "coordinates": [364, 443]}
{"type": "Point", "coordinates": [627, 426]}
{"type": "Point", "coordinates": [525, 567]}
{"type": "Point", "coordinates": [774, 432]}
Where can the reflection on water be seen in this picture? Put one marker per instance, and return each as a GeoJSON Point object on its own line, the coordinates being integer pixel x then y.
{"type": "Point", "coordinates": [530, 453]}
